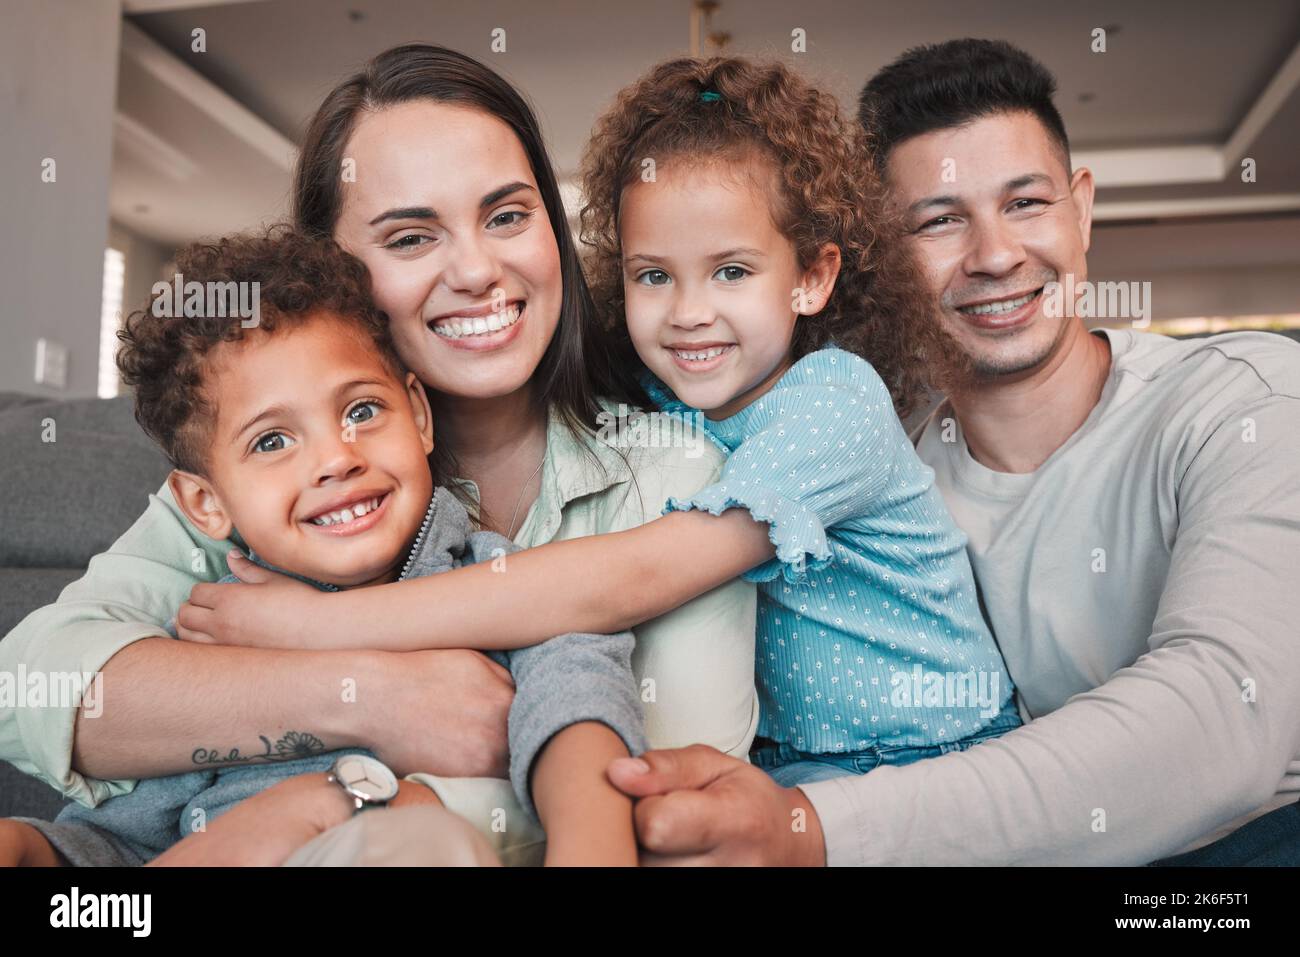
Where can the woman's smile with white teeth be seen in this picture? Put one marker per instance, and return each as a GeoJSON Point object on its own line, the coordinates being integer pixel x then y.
{"type": "Point", "coordinates": [347, 514]}
{"type": "Point", "coordinates": [457, 327]}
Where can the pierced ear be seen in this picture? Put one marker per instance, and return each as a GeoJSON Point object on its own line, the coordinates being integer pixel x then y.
{"type": "Point", "coordinates": [420, 408]}
{"type": "Point", "coordinates": [200, 503]}
{"type": "Point", "coordinates": [819, 279]}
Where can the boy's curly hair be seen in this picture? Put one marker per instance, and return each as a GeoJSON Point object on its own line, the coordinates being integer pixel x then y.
{"type": "Point", "coordinates": [829, 192]}
{"type": "Point", "coordinates": [164, 357]}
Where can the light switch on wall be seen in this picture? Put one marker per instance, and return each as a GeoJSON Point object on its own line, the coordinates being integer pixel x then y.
{"type": "Point", "coordinates": [51, 363]}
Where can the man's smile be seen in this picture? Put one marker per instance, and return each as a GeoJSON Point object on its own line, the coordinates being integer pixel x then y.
{"type": "Point", "coordinates": [1002, 313]}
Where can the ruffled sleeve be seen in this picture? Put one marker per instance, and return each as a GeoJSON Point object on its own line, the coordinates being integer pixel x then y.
{"type": "Point", "coordinates": [819, 449]}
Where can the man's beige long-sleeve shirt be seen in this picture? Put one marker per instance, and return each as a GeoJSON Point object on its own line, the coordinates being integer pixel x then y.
{"type": "Point", "coordinates": [1144, 587]}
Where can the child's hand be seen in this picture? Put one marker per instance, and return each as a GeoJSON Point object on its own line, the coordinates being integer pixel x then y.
{"type": "Point", "coordinates": [268, 611]}
{"type": "Point", "coordinates": [588, 822]}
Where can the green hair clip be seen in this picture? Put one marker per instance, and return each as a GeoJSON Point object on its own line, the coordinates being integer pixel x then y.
{"type": "Point", "coordinates": [709, 96]}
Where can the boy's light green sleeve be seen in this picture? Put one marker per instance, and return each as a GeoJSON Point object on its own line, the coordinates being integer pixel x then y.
{"type": "Point", "coordinates": [127, 593]}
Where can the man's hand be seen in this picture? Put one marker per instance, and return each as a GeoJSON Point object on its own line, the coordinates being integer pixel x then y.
{"type": "Point", "coordinates": [699, 806]}
{"type": "Point", "coordinates": [268, 610]}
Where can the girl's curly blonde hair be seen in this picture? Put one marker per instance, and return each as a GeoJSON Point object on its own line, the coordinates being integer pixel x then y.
{"type": "Point", "coordinates": [720, 109]}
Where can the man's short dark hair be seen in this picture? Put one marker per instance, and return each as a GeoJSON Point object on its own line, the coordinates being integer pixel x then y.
{"type": "Point", "coordinates": [942, 85]}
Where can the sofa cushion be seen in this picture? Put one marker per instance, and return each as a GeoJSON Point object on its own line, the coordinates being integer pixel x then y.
{"type": "Point", "coordinates": [26, 589]}
{"type": "Point", "coordinates": [23, 796]}
{"type": "Point", "coordinates": [66, 500]}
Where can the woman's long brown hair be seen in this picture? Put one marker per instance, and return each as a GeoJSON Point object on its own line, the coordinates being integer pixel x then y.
{"type": "Point", "coordinates": [582, 361]}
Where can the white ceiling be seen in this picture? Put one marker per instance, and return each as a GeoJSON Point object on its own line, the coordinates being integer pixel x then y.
{"type": "Point", "coordinates": [1175, 75]}
{"type": "Point", "coordinates": [187, 160]}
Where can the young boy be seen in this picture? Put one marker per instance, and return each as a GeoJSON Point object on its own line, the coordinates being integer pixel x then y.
{"type": "Point", "coordinates": [305, 433]}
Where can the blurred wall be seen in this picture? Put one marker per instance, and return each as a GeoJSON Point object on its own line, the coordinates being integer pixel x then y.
{"type": "Point", "coordinates": [57, 93]}
{"type": "Point", "coordinates": [145, 265]}
{"type": "Point", "coordinates": [1248, 266]}
{"type": "Point", "coordinates": [1263, 290]}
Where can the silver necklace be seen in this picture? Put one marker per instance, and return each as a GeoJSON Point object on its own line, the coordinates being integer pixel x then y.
{"type": "Point", "coordinates": [519, 501]}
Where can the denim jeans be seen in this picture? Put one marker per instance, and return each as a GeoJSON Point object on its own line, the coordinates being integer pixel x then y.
{"type": "Point", "coordinates": [789, 768]}
{"type": "Point", "coordinates": [1271, 840]}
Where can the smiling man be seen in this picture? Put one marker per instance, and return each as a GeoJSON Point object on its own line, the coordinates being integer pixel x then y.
{"type": "Point", "coordinates": [1133, 516]}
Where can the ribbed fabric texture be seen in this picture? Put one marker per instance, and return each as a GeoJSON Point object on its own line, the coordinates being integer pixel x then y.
{"type": "Point", "coordinates": [870, 579]}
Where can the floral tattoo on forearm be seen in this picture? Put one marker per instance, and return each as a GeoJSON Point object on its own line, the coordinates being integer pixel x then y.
{"type": "Point", "coordinates": [292, 746]}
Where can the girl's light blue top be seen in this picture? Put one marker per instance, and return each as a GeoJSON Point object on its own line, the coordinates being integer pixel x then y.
{"type": "Point", "coordinates": [869, 627]}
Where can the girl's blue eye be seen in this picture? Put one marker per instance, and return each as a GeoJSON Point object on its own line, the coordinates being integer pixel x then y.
{"type": "Point", "coordinates": [272, 442]}
{"type": "Point", "coordinates": [368, 409]}
{"type": "Point", "coordinates": [732, 273]}
{"type": "Point", "coordinates": [653, 277]}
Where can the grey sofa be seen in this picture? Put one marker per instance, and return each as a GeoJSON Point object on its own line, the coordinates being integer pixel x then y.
{"type": "Point", "coordinates": [61, 502]}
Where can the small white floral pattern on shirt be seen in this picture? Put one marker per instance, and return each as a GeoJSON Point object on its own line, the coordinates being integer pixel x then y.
{"type": "Point", "coordinates": [870, 578]}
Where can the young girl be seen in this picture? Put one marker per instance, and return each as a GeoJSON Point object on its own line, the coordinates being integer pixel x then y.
{"type": "Point", "coordinates": [739, 230]}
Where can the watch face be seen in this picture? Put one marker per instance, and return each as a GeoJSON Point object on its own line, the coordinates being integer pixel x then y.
{"type": "Point", "coordinates": [366, 777]}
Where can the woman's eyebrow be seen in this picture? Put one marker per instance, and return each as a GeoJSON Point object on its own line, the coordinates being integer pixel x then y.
{"type": "Point", "coordinates": [502, 192]}
{"type": "Point", "coordinates": [405, 212]}
{"type": "Point", "coordinates": [427, 212]}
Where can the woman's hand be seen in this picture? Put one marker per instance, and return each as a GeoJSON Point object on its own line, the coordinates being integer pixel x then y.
{"type": "Point", "coordinates": [697, 805]}
{"type": "Point", "coordinates": [268, 610]}
{"type": "Point", "coordinates": [264, 830]}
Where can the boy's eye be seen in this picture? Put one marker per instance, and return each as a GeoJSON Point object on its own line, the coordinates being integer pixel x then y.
{"type": "Point", "coordinates": [272, 442]}
{"type": "Point", "coordinates": [653, 277]}
{"type": "Point", "coordinates": [732, 273]}
{"type": "Point", "coordinates": [362, 412]}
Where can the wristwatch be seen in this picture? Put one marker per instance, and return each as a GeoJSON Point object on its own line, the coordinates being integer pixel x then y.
{"type": "Point", "coordinates": [366, 781]}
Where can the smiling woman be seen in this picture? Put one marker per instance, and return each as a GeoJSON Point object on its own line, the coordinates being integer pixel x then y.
{"type": "Point", "coordinates": [450, 202]}
{"type": "Point", "coordinates": [482, 239]}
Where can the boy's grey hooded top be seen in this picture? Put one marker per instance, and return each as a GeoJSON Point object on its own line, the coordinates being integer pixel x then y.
{"type": "Point", "coordinates": [570, 679]}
